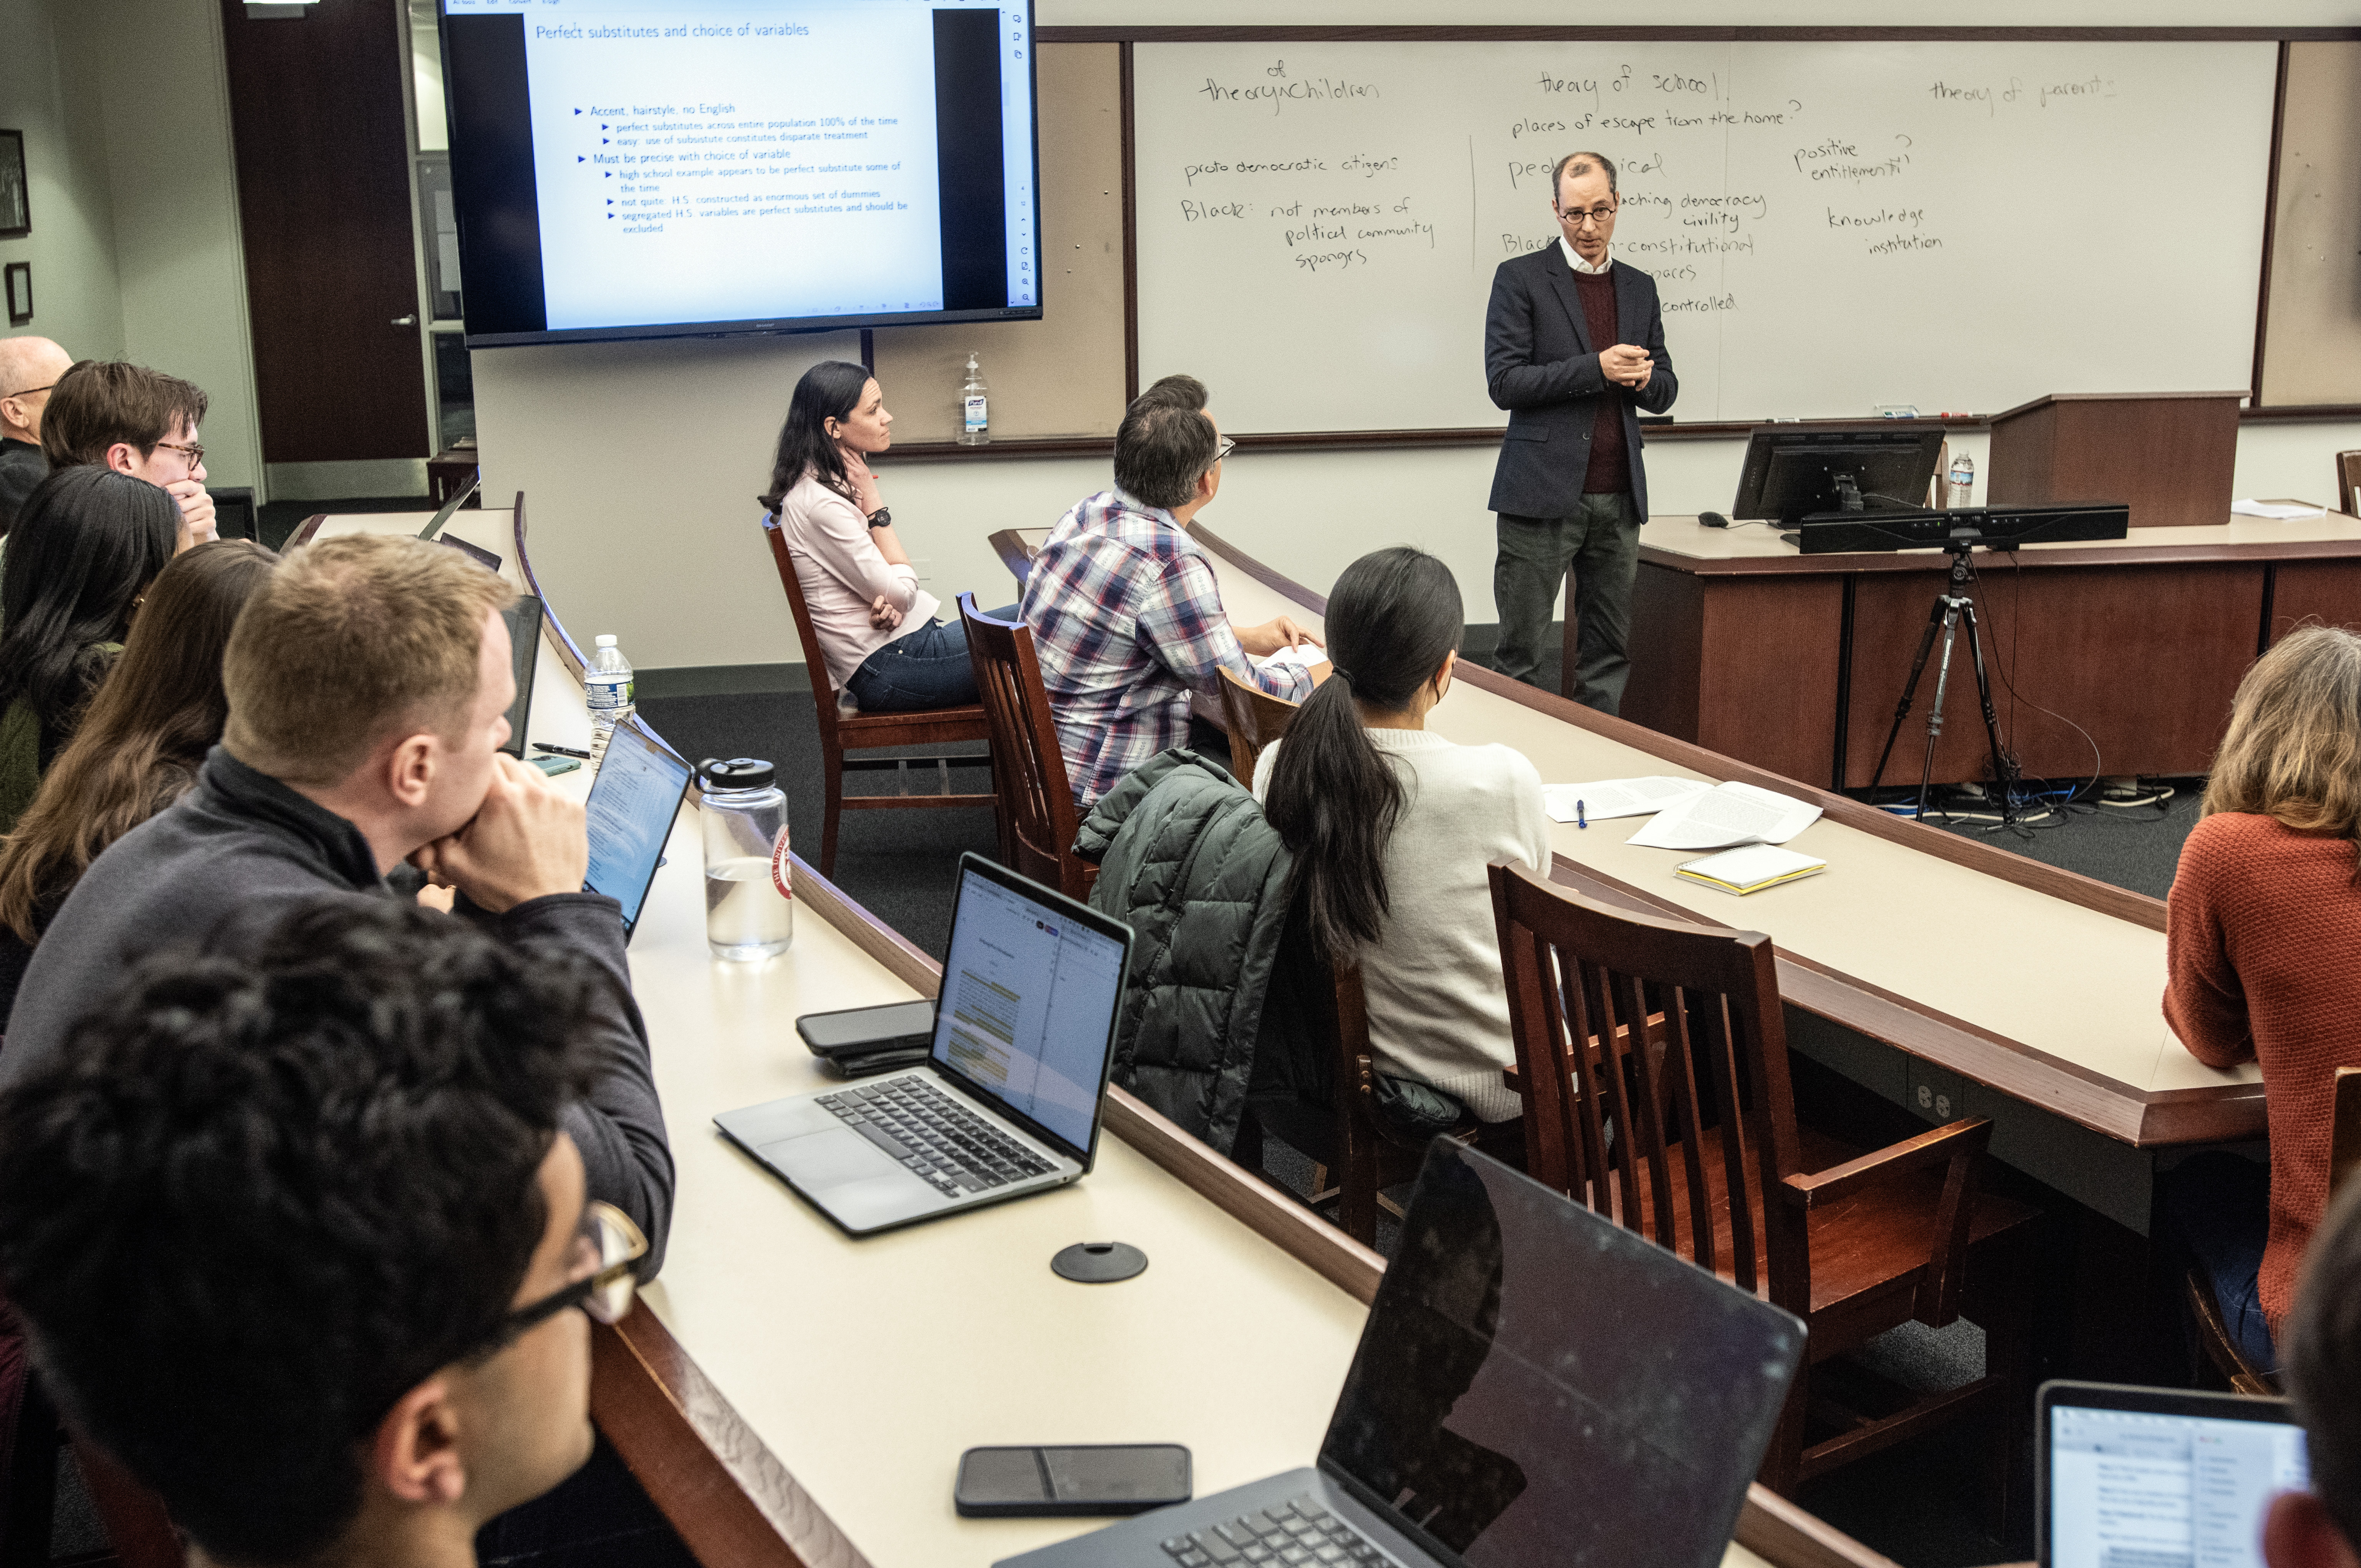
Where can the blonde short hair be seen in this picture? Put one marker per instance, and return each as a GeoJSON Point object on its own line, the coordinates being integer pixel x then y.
{"type": "Point", "coordinates": [2293, 752]}
{"type": "Point", "coordinates": [350, 640]}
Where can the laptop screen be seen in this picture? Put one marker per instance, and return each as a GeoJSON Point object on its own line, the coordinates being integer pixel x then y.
{"type": "Point", "coordinates": [633, 803]}
{"type": "Point", "coordinates": [1507, 1405]}
{"type": "Point", "coordinates": [1029, 1004]}
{"type": "Point", "coordinates": [2161, 1486]}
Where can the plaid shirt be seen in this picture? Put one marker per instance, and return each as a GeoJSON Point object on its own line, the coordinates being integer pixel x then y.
{"type": "Point", "coordinates": [1128, 621]}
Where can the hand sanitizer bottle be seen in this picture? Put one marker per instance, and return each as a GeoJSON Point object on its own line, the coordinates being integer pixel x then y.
{"type": "Point", "coordinates": [975, 425]}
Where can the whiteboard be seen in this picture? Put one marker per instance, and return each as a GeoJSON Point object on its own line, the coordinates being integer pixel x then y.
{"type": "Point", "coordinates": [1959, 226]}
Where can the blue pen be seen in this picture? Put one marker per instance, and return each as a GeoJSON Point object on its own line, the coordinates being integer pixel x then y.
{"type": "Point", "coordinates": [1579, 819]}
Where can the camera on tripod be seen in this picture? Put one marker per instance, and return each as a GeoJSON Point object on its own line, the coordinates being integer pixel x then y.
{"type": "Point", "coordinates": [1842, 489]}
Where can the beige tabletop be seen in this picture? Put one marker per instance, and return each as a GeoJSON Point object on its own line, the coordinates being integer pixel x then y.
{"type": "Point", "coordinates": [2076, 985]}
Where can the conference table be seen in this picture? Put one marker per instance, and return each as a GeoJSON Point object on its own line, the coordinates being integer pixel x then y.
{"type": "Point", "coordinates": [1952, 977]}
{"type": "Point", "coordinates": [2109, 657]}
{"type": "Point", "coordinates": [790, 1395]}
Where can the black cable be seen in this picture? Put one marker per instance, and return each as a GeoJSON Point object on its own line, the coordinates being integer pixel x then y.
{"type": "Point", "coordinates": [2008, 676]}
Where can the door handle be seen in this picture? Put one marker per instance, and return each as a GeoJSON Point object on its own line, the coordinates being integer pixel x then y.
{"type": "Point", "coordinates": [410, 320]}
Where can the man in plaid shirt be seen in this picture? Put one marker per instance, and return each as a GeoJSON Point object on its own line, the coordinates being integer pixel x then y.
{"type": "Point", "coordinates": [1126, 615]}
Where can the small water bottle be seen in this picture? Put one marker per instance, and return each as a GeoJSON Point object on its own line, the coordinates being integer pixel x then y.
{"type": "Point", "coordinates": [750, 912]}
{"type": "Point", "coordinates": [1962, 484]}
{"type": "Point", "coordinates": [606, 688]}
{"type": "Point", "coordinates": [975, 424]}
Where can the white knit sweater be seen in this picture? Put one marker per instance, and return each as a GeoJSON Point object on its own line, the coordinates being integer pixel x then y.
{"type": "Point", "coordinates": [1438, 1010]}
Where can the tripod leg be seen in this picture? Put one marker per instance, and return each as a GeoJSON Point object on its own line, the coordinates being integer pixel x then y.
{"type": "Point", "coordinates": [1909, 693]}
{"type": "Point", "coordinates": [1950, 609]}
{"type": "Point", "coordinates": [2001, 770]}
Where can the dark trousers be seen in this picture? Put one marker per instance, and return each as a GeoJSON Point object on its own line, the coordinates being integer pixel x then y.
{"type": "Point", "coordinates": [2218, 1207]}
{"type": "Point", "coordinates": [1601, 544]}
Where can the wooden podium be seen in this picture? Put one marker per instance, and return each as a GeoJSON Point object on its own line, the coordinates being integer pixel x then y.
{"type": "Point", "coordinates": [2169, 456]}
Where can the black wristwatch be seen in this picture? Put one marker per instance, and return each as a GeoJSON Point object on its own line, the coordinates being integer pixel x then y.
{"type": "Point", "coordinates": [882, 518]}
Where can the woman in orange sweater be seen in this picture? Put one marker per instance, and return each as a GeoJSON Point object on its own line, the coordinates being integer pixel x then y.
{"type": "Point", "coordinates": [2263, 950]}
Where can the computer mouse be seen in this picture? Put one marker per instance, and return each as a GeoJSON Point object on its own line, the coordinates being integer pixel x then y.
{"type": "Point", "coordinates": [1713, 520]}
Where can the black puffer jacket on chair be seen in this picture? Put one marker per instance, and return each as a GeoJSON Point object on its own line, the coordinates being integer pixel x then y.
{"type": "Point", "coordinates": [1187, 861]}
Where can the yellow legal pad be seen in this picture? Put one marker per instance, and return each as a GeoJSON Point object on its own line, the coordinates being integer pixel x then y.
{"type": "Point", "coordinates": [1749, 867]}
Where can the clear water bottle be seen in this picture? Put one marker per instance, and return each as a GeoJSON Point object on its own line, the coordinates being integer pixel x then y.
{"type": "Point", "coordinates": [1961, 488]}
{"type": "Point", "coordinates": [975, 422]}
{"type": "Point", "coordinates": [607, 687]}
{"type": "Point", "coordinates": [750, 911]}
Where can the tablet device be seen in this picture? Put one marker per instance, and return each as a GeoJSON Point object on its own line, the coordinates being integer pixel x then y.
{"type": "Point", "coordinates": [2125, 1476]}
{"type": "Point", "coordinates": [523, 619]}
{"type": "Point", "coordinates": [633, 803]}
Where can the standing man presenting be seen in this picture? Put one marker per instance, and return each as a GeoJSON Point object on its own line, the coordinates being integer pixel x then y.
{"type": "Point", "coordinates": [1574, 345]}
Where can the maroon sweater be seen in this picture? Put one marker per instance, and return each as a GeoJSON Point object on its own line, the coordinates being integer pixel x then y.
{"type": "Point", "coordinates": [1610, 462]}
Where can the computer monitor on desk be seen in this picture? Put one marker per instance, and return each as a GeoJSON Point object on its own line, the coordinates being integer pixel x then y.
{"type": "Point", "coordinates": [1793, 471]}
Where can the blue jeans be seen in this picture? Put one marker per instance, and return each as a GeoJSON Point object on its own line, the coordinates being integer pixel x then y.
{"type": "Point", "coordinates": [927, 668]}
{"type": "Point", "coordinates": [2218, 1206]}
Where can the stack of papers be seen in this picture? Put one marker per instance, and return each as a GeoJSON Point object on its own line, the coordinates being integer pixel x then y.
{"type": "Point", "coordinates": [1726, 815]}
{"type": "Point", "coordinates": [2277, 512]}
{"type": "Point", "coordinates": [1750, 868]}
{"type": "Point", "coordinates": [1298, 657]}
{"type": "Point", "coordinates": [1618, 797]}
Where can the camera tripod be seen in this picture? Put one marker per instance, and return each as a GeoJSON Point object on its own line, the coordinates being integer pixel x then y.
{"type": "Point", "coordinates": [1951, 607]}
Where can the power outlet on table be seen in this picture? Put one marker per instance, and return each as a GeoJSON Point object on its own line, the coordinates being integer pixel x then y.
{"type": "Point", "coordinates": [1936, 1096]}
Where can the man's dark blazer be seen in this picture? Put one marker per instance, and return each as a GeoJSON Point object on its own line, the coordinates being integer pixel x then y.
{"type": "Point", "coordinates": [1541, 367]}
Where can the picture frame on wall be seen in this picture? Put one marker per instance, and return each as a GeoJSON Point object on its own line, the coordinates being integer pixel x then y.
{"type": "Point", "coordinates": [20, 293]}
{"type": "Point", "coordinates": [16, 191]}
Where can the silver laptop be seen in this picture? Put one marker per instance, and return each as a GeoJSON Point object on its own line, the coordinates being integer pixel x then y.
{"type": "Point", "coordinates": [2129, 1477]}
{"type": "Point", "coordinates": [1006, 1103]}
{"type": "Point", "coordinates": [1536, 1384]}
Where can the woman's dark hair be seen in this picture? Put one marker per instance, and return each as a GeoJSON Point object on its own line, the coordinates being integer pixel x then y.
{"type": "Point", "coordinates": [138, 748]}
{"type": "Point", "coordinates": [1393, 617]}
{"type": "Point", "coordinates": [829, 390]}
{"type": "Point", "coordinates": [87, 543]}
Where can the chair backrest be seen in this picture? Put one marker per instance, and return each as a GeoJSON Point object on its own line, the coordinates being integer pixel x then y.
{"type": "Point", "coordinates": [815, 665]}
{"type": "Point", "coordinates": [2348, 482]}
{"type": "Point", "coordinates": [2344, 1135]}
{"type": "Point", "coordinates": [1255, 718]}
{"type": "Point", "coordinates": [1037, 804]}
{"type": "Point", "coordinates": [1577, 971]}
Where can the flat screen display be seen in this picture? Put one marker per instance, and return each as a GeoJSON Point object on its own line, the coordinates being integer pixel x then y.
{"type": "Point", "coordinates": [2157, 1487]}
{"type": "Point", "coordinates": [681, 168]}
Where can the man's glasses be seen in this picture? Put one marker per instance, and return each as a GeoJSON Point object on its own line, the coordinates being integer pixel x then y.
{"type": "Point", "coordinates": [28, 391]}
{"type": "Point", "coordinates": [196, 453]}
{"type": "Point", "coordinates": [605, 1248]}
{"type": "Point", "coordinates": [1222, 449]}
{"type": "Point", "coordinates": [1579, 216]}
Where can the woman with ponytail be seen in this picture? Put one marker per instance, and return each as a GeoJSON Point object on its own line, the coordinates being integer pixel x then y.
{"type": "Point", "coordinates": [1391, 829]}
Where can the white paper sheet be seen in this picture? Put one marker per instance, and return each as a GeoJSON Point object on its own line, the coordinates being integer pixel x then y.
{"type": "Point", "coordinates": [2277, 512]}
{"type": "Point", "coordinates": [1298, 657]}
{"type": "Point", "coordinates": [1725, 816]}
{"type": "Point", "coordinates": [1606, 800]}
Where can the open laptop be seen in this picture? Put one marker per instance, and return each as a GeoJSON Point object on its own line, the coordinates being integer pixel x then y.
{"type": "Point", "coordinates": [1534, 1384]}
{"type": "Point", "coordinates": [523, 619]}
{"type": "Point", "coordinates": [2157, 1476]}
{"type": "Point", "coordinates": [633, 802]}
{"type": "Point", "coordinates": [1006, 1103]}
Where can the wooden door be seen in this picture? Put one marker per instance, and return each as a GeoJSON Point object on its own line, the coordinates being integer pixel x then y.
{"type": "Point", "coordinates": [323, 198]}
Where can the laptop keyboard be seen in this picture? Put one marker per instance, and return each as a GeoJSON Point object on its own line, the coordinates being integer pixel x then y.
{"type": "Point", "coordinates": [1298, 1530]}
{"type": "Point", "coordinates": [949, 1147]}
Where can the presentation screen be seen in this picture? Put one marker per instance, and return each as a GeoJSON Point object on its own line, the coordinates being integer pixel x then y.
{"type": "Point", "coordinates": [687, 167]}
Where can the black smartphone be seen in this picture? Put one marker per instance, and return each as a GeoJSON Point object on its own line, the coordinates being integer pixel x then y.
{"type": "Point", "coordinates": [863, 1031]}
{"type": "Point", "coordinates": [1078, 1480]}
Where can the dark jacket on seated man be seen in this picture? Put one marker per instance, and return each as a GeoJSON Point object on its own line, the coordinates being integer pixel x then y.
{"type": "Point", "coordinates": [236, 853]}
{"type": "Point", "coordinates": [1186, 861]}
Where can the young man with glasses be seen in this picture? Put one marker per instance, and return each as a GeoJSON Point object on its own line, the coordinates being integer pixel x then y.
{"type": "Point", "coordinates": [136, 422]}
{"type": "Point", "coordinates": [1574, 349]}
{"type": "Point", "coordinates": [1127, 617]}
{"type": "Point", "coordinates": [29, 368]}
{"type": "Point", "coordinates": [299, 1238]}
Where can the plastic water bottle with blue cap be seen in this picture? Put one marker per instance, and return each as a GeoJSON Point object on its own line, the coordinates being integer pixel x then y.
{"type": "Point", "coordinates": [606, 688]}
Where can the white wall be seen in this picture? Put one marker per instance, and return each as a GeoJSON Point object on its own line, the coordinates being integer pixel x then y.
{"type": "Point", "coordinates": [76, 299]}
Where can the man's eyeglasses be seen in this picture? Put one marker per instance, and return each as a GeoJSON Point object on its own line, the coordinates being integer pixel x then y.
{"type": "Point", "coordinates": [605, 1248]}
{"type": "Point", "coordinates": [1223, 448]}
{"type": "Point", "coordinates": [1579, 216]}
{"type": "Point", "coordinates": [196, 453]}
{"type": "Point", "coordinates": [28, 391]}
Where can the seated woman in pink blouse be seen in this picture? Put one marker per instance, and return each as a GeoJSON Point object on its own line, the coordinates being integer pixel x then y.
{"type": "Point", "coordinates": [876, 627]}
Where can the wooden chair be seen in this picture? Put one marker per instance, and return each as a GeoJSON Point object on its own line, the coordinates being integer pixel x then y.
{"type": "Point", "coordinates": [2344, 1136]}
{"type": "Point", "coordinates": [840, 732]}
{"type": "Point", "coordinates": [1038, 816]}
{"type": "Point", "coordinates": [1367, 1156]}
{"type": "Point", "coordinates": [1707, 1159]}
{"type": "Point", "coordinates": [2348, 481]}
{"type": "Point", "coordinates": [1255, 718]}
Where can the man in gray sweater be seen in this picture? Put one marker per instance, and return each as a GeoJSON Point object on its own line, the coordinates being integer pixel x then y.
{"type": "Point", "coordinates": [368, 683]}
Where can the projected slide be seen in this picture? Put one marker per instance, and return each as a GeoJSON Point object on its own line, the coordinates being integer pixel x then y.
{"type": "Point", "coordinates": [627, 167]}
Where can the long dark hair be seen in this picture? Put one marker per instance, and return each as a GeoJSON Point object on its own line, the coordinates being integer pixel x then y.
{"type": "Point", "coordinates": [829, 390]}
{"type": "Point", "coordinates": [138, 748]}
{"type": "Point", "coordinates": [87, 543]}
{"type": "Point", "coordinates": [1393, 617]}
